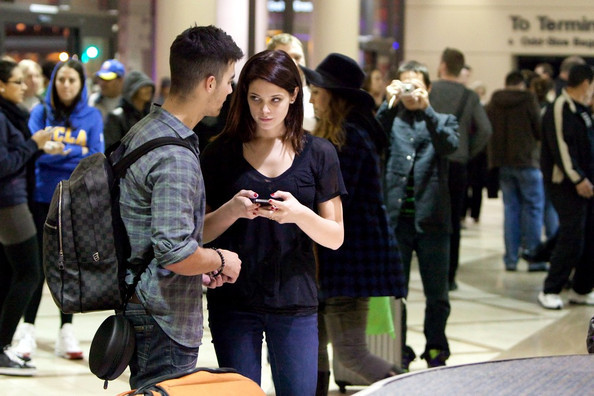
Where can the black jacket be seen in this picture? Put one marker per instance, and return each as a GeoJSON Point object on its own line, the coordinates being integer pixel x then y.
{"type": "Point", "coordinates": [568, 142]}
{"type": "Point", "coordinates": [119, 121]}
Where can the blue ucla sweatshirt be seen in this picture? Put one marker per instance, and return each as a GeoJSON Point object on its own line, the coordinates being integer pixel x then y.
{"type": "Point", "coordinates": [85, 130]}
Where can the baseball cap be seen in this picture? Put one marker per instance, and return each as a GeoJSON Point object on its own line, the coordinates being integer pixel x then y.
{"type": "Point", "coordinates": [111, 69]}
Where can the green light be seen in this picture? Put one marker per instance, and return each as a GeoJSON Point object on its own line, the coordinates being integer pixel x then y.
{"type": "Point", "coordinates": [92, 52]}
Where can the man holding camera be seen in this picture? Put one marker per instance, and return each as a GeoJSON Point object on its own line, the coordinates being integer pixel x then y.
{"type": "Point", "coordinates": [418, 198]}
{"type": "Point", "coordinates": [452, 97]}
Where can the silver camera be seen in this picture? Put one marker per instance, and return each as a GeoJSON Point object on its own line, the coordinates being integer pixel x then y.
{"type": "Point", "coordinates": [407, 89]}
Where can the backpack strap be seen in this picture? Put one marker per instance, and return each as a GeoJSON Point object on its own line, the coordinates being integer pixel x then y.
{"type": "Point", "coordinates": [120, 167]}
{"type": "Point", "coordinates": [462, 103]}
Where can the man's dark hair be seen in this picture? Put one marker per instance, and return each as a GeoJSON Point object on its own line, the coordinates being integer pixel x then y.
{"type": "Point", "coordinates": [453, 60]}
{"type": "Point", "coordinates": [514, 78]}
{"type": "Point", "coordinates": [416, 67]}
{"type": "Point", "coordinates": [579, 73]}
{"type": "Point", "coordinates": [197, 53]}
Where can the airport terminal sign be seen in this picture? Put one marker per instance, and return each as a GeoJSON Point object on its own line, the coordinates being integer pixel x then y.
{"type": "Point", "coordinates": [544, 31]}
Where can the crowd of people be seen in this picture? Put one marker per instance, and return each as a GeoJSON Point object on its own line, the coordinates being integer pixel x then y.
{"type": "Point", "coordinates": [308, 194]}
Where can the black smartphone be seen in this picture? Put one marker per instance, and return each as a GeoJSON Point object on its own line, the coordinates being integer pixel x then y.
{"type": "Point", "coordinates": [261, 201]}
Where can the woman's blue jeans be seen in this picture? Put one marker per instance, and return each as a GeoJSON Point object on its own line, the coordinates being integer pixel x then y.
{"type": "Point", "coordinates": [292, 347]}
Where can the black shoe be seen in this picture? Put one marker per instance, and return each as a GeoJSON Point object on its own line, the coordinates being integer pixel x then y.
{"type": "Point", "coordinates": [435, 357]}
{"type": "Point", "coordinates": [408, 355]}
{"type": "Point", "coordinates": [542, 253]}
{"type": "Point", "coordinates": [10, 364]}
{"type": "Point", "coordinates": [538, 267]}
{"type": "Point", "coordinates": [453, 286]}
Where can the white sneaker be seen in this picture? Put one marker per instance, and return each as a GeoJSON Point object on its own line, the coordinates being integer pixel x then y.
{"type": "Point", "coordinates": [67, 345]}
{"type": "Point", "coordinates": [550, 300]}
{"type": "Point", "coordinates": [581, 299]}
{"type": "Point", "coordinates": [10, 364]}
{"type": "Point", "coordinates": [26, 345]}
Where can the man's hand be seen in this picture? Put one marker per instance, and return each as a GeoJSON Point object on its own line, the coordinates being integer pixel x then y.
{"type": "Point", "coordinates": [585, 189]}
{"type": "Point", "coordinates": [232, 266]}
{"type": "Point", "coordinates": [419, 98]}
{"type": "Point", "coordinates": [212, 281]}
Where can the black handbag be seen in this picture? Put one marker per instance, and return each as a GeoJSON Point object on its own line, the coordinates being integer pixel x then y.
{"type": "Point", "coordinates": [112, 348]}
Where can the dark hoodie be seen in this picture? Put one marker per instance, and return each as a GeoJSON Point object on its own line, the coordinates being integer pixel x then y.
{"type": "Point", "coordinates": [515, 117]}
{"type": "Point", "coordinates": [122, 118]}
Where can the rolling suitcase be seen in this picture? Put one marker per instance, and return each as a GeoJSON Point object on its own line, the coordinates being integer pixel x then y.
{"type": "Point", "coordinates": [382, 345]}
{"type": "Point", "coordinates": [200, 381]}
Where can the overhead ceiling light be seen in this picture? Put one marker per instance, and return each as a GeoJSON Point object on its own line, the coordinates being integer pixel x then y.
{"type": "Point", "coordinates": [43, 9]}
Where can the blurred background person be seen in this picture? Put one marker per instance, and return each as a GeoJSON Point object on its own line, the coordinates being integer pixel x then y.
{"type": "Point", "coordinates": [567, 161]}
{"type": "Point", "coordinates": [47, 68]}
{"type": "Point", "coordinates": [20, 266]}
{"type": "Point", "coordinates": [546, 72]}
{"type": "Point", "coordinates": [368, 263]}
{"type": "Point", "coordinates": [293, 46]}
{"type": "Point", "coordinates": [33, 76]}
{"type": "Point", "coordinates": [566, 65]}
{"type": "Point", "coordinates": [375, 84]}
{"type": "Point", "coordinates": [449, 96]}
{"type": "Point", "coordinates": [465, 73]}
{"type": "Point", "coordinates": [137, 92]}
{"type": "Point", "coordinates": [164, 87]}
{"type": "Point", "coordinates": [110, 78]}
{"type": "Point", "coordinates": [79, 128]}
{"type": "Point", "coordinates": [514, 148]}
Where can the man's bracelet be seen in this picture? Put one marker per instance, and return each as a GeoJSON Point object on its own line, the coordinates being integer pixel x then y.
{"type": "Point", "coordinates": [220, 270]}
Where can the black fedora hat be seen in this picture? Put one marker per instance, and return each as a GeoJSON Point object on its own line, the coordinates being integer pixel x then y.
{"type": "Point", "coordinates": [340, 74]}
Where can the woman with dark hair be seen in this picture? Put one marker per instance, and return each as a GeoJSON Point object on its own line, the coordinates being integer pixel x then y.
{"type": "Point", "coordinates": [264, 153]}
{"type": "Point", "coordinates": [368, 263]}
{"type": "Point", "coordinates": [79, 128]}
{"type": "Point", "coordinates": [20, 269]}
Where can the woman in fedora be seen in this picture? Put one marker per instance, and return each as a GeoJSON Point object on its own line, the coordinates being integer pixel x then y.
{"type": "Point", "coordinates": [368, 263]}
{"type": "Point", "coordinates": [263, 153]}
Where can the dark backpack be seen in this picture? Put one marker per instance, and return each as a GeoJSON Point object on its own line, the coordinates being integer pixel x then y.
{"type": "Point", "coordinates": [85, 244]}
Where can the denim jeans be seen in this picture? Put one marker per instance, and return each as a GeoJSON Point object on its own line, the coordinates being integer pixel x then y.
{"type": "Point", "coordinates": [155, 354]}
{"type": "Point", "coordinates": [346, 321]}
{"type": "Point", "coordinates": [523, 202]}
{"type": "Point", "coordinates": [292, 347]}
{"type": "Point", "coordinates": [433, 252]}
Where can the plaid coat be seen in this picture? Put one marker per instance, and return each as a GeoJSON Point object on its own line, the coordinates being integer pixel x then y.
{"type": "Point", "coordinates": [368, 262]}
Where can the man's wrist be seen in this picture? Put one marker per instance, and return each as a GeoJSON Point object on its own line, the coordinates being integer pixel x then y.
{"type": "Point", "coordinates": [219, 271]}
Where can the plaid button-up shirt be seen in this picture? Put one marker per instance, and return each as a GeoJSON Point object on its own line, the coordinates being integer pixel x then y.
{"type": "Point", "coordinates": [162, 205]}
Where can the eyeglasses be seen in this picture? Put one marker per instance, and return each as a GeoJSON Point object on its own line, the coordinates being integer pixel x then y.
{"type": "Point", "coordinates": [18, 82]}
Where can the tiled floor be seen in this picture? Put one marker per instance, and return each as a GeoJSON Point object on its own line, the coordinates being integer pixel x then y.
{"type": "Point", "coordinates": [494, 316]}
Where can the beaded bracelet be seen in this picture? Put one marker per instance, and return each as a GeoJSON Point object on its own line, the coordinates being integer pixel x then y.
{"type": "Point", "coordinates": [220, 270]}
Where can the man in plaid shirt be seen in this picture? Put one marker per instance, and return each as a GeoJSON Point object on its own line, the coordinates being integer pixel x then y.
{"type": "Point", "coordinates": [163, 203]}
